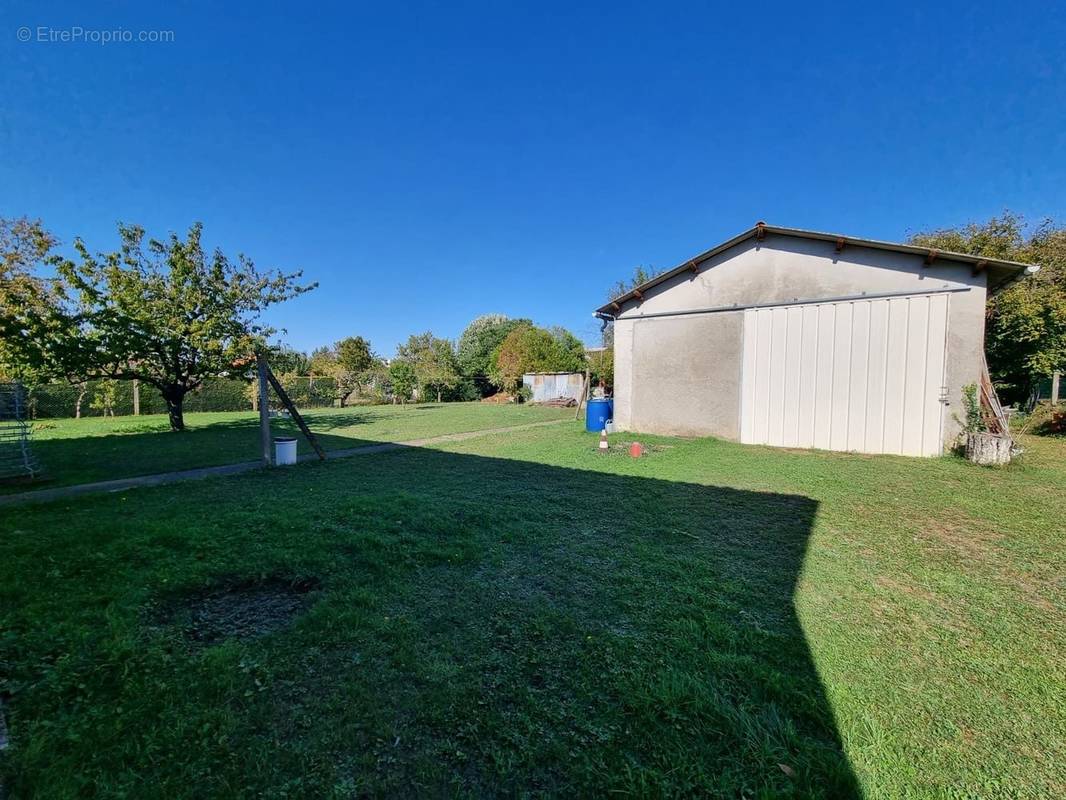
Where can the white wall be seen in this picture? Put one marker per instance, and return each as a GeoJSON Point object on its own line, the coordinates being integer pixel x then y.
{"type": "Point", "coordinates": [681, 374]}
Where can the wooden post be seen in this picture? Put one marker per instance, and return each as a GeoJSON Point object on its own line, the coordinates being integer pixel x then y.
{"type": "Point", "coordinates": [584, 395]}
{"type": "Point", "coordinates": [264, 409]}
{"type": "Point", "coordinates": [284, 397]}
{"type": "Point", "coordinates": [1055, 377]}
{"type": "Point", "coordinates": [136, 397]}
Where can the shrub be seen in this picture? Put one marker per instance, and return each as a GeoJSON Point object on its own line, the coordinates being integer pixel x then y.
{"type": "Point", "coordinates": [974, 422]}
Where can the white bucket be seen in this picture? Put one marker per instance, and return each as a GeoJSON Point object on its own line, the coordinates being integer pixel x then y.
{"type": "Point", "coordinates": [284, 451]}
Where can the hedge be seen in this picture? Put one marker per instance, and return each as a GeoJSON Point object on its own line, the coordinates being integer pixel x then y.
{"type": "Point", "coordinates": [218, 394]}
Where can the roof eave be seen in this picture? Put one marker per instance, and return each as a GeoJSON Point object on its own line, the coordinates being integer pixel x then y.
{"type": "Point", "coordinates": [1016, 270]}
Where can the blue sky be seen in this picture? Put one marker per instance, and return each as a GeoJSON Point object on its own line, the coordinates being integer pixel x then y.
{"type": "Point", "coordinates": [432, 162]}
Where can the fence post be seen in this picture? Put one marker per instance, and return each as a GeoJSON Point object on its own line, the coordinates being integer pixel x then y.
{"type": "Point", "coordinates": [264, 409]}
{"type": "Point", "coordinates": [136, 397]}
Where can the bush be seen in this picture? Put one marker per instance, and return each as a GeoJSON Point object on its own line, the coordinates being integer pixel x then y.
{"type": "Point", "coordinates": [463, 392]}
{"type": "Point", "coordinates": [1044, 420]}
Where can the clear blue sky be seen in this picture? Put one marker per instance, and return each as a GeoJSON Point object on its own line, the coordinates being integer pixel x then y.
{"type": "Point", "coordinates": [430, 163]}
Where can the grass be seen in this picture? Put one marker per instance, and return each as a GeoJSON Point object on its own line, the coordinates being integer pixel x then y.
{"type": "Point", "coordinates": [102, 448]}
{"type": "Point", "coordinates": [520, 615]}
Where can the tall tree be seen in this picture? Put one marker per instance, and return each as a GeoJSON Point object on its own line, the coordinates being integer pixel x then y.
{"type": "Point", "coordinates": [531, 349]}
{"type": "Point", "coordinates": [641, 275]}
{"type": "Point", "coordinates": [162, 312]}
{"type": "Point", "coordinates": [481, 337]}
{"type": "Point", "coordinates": [25, 247]}
{"type": "Point", "coordinates": [353, 354]}
{"type": "Point", "coordinates": [323, 361]}
{"type": "Point", "coordinates": [433, 361]}
{"type": "Point", "coordinates": [1026, 323]}
{"type": "Point", "coordinates": [346, 361]}
{"type": "Point", "coordinates": [402, 379]}
{"type": "Point", "coordinates": [287, 359]}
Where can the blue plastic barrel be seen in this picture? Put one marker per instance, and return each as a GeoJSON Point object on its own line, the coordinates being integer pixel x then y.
{"type": "Point", "coordinates": [597, 412]}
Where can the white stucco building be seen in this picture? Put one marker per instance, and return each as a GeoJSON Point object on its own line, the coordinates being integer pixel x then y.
{"type": "Point", "coordinates": [801, 339]}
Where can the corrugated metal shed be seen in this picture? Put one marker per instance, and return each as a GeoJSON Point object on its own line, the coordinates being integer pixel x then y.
{"type": "Point", "coordinates": [549, 385]}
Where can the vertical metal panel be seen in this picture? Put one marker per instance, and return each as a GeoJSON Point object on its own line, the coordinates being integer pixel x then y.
{"type": "Point", "coordinates": [841, 386]}
{"type": "Point", "coordinates": [860, 378]}
{"type": "Point", "coordinates": [914, 378]}
{"type": "Point", "coordinates": [808, 376]}
{"type": "Point", "coordinates": [823, 375]}
{"type": "Point", "coordinates": [933, 418]}
{"type": "Point", "coordinates": [747, 382]}
{"type": "Point", "coordinates": [548, 386]}
{"type": "Point", "coordinates": [876, 390]}
{"type": "Point", "coordinates": [778, 343]}
{"type": "Point", "coordinates": [895, 369]}
{"type": "Point", "coordinates": [793, 357]}
{"type": "Point", "coordinates": [862, 375]}
{"type": "Point", "coordinates": [761, 407]}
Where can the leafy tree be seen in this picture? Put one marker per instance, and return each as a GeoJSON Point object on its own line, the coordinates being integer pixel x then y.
{"type": "Point", "coordinates": [377, 380]}
{"type": "Point", "coordinates": [403, 379]}
{"type": "Point", "coordinates": [25, 248]}
{"type": "Point", "coordinates": [323, 361]}
{"type": "Point", "coordinates": [353, 354]}
{"type": "Point", "coordinates": [162, 312]}
{"type": "Point", "coordinates": [641, 274]}
{"type": "Point", "coordinates": [433, 362]}
{"type": "Point", "coordinates": [569, 352]}
{"type": "Point", "coordinates": [480, 339]}
{"type": "Point", "coordinates": [105, 397]}
{"type": "Point", "coordinates": [347, 362]}
{"type": "Point", "coordinates": [288, 360]}
{"type": "Point", "coordinates": [601, 366]}
{"type": "Point", "coordinates": [1026, 323]}
{"type": "Point", "coordinates": [528, 348]}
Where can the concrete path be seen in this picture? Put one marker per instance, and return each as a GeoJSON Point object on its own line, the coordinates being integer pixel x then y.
{"type": "Point", "coordinates": [122, 484]}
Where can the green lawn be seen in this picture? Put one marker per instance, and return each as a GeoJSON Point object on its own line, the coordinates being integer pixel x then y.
{"type": "Point", "coordinates": [520, 615]}
{"type": "Point", "coordinates": [103, 448]}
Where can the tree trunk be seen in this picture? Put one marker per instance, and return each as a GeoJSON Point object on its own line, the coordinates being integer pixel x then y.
{"type": "Point", "coordinates": [988, 449]}
{"type": "Point", "coordinates": [174, 397]}
{"type": "Point", "coordinates": [438, 394]}
{"type": "Point", "coordinates": [82, 389]}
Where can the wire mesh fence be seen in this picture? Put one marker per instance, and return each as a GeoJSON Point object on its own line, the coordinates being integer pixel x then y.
{"type": "Point", "coordinates": [16, 453]}
{"type": "Point", "coordinates": [55, 400]}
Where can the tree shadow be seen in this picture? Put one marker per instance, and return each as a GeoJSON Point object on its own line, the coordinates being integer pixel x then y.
{"type": "Point", "coordinates": [152, 448]}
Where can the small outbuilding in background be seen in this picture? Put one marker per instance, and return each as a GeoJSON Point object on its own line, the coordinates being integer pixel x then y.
{"type": "Point", "coordinates": [547, 386]}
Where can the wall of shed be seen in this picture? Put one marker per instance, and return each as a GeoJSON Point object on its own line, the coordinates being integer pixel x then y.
{"type": "Point", "coordinates": [680, 375]}
{"type": "Point", "coordinates": [549, 386]}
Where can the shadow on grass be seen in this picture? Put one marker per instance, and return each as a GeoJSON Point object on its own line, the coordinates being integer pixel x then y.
{"type": "Point", "coordinates": [153, 448]}
{"type": "Point", "coordinates": [485, 627]}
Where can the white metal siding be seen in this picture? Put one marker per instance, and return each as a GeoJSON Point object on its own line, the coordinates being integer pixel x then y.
{"type": "Point", "coordinates": [864, 375]}
{"type": "Point", "coordinates": [550, 385]}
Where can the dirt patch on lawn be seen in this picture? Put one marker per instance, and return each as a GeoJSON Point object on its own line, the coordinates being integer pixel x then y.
{"type": "Point", "coordinates": [977, 543]}
{"type": "Point", "coordinates": [239, 609]}
{"type": "Point", "coordinates": [956, 531]}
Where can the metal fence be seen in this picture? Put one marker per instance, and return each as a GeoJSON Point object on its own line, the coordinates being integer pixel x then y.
{"type": "Point", "coordinates": [16, 455]}
{"type": "Point", "coordinates": [54, 400]}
